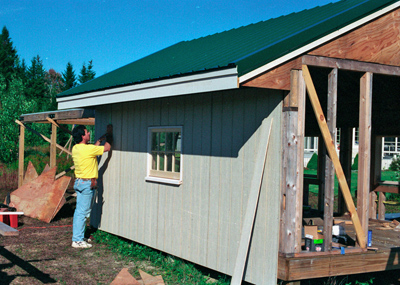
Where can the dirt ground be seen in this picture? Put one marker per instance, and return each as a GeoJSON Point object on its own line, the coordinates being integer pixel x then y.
{"type": "Point", "coordinates": [42, 254]}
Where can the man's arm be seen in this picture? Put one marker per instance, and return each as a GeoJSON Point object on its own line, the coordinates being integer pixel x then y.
{"type": "Point", "coordinates": [108, 137]}
{"type": "Point", "coordinates": [107, 144]}
{"type": "Point", "coordinates": [107, 147]}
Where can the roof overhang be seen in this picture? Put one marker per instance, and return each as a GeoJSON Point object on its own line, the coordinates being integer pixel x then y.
{"type": "Point", "coordinates": [226, 78]}
{"type": "Point", "coordinates": [316, 43]}
{"type": "Point", "coordinates": [72, 116]}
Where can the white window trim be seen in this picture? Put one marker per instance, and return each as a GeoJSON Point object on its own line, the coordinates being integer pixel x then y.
{"type": "Point", "coordinates": [150, 178]}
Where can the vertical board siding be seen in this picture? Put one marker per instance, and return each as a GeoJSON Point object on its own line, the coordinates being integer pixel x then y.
{"type": "Point", "coordinates": [201, 219]}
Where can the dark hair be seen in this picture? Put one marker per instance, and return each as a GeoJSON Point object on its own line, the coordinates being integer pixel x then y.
{"type": "Point", "coordinates": [78, 132]}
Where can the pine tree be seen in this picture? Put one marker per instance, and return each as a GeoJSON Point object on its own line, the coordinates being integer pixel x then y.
{"type": "Point", "coordinates": [8, 57]}
{"type": "Point", "coordinates": [86, 73]}
{"type": "Point", "coordinates": [36, 84]}
{"type": "Point", "coordinates": [54, 85]}
{"type": "Point", "coordinates": [68, 77]}
{"type": "Point", "coordinates": [90, 72]}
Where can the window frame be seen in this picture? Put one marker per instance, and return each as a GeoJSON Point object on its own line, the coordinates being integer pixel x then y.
{"type": "Point", "coordinates": [163, 176]}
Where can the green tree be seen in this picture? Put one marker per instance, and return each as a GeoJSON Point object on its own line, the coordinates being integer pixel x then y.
{"type": "Point", "coordinates": [87, 73]}
{"type": "Point", "coordinates": [13, 104]}
{"type": "Point", "coordinates": [36, 82]}
{"type": "Point", "coordinates": [8, 57]}
{"type": "Point", "coordinates": [54, 85]}
{"type": "Point", "coordinates": [68, 77]}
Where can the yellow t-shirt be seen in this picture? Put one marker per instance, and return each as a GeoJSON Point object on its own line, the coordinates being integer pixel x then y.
{"type": "Point", "coordinates": [85, 160]}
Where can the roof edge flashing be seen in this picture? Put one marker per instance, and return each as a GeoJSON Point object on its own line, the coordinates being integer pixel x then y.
{"type": "Point", "coordinates": [216, 80]}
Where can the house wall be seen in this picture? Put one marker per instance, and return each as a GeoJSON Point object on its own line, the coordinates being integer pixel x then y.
{"type": "Point", "coordinates": [199, 220]}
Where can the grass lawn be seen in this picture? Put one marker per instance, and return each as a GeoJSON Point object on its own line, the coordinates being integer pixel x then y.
{"type": "Point", "coordinates": [387, 175]}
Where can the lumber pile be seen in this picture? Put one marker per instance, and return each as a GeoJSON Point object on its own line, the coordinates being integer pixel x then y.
{"type": "Point", "coordinates": [393, 225]}
{"type": "Point", "coordinates": [40, 196]}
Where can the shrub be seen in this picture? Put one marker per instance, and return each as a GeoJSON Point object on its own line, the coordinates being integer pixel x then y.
{"type": "Point", "coordinates": [313, 163]}
{"type": "Point", "coordinates": [395, 164]}
{"type": "Point", "coordinates": [355, 163]}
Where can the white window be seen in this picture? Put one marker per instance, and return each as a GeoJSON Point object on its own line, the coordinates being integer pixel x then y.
{"type": "Point", "coordinates": [165, 155]}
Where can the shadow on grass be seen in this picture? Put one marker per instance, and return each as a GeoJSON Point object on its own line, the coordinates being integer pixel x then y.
{"type": "Point", "coordinates": [30, 269]}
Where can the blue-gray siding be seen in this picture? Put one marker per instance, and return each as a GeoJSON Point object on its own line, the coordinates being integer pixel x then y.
{"type": "Point", "coordinates": [199, 220]}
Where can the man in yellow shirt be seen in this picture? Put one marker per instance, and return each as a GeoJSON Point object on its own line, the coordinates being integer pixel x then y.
{"type": "Point", "coordinates": [84, 156]}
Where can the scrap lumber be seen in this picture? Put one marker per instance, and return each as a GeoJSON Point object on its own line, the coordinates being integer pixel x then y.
{"type": "Point", "coordinates": [330, 146]}
{"type": "Point", "coordinates": [6, 230]}
{"type": "Point", "coordinates": [42, 197]}
{"type": "Point", "coordinates": [124, 278]}
{"type": "Point", "coordinates": [30, 174]}
{"type": "Point", "coordinates": [252, 203]}
{"type": "Point", "coordinates": [151, 280]}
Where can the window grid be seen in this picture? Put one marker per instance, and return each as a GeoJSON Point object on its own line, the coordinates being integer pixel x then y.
{"type": "Point", "coordinates": [165, 152]}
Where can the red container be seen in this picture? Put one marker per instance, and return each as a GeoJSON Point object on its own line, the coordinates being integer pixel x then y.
{"type": "Point", "coordinates": [11, 220]}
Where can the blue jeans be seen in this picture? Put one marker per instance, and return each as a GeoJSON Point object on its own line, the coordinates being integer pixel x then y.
{"type": "Point", "coordinates": [82, 211]}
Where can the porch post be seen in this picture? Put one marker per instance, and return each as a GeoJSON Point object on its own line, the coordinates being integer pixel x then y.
{"type": "Point", "coordinates": [364, 152]}
{"type": "Point", "coordinates": [293, 165]}
{"type": "Point", "coordinates": [53, 146]}
{"type": "Point", "coordinates": [376, 169]}
{"type": "Point", "coordinates": [329, 172]}
{"type": "Point", "coordinates": [346, 149]}
{"type": "Point", "coordinates": [21, 155]}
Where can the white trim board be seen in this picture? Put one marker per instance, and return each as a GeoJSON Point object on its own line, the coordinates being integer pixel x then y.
{"type": "Point", "coordinates": [190, 84]}
{"type": "Point", "coordinates": [310, 46]}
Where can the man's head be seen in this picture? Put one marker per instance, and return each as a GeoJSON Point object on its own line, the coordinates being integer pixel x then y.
{"type": "Point", "coordinates": [80, 134]}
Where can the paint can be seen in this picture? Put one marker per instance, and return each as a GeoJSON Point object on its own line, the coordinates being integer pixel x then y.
{"type": "Point", "coordinates": [369, 238]}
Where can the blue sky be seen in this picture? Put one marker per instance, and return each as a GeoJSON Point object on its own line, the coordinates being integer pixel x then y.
{"type": "Point", "coordinates": [114, 33]}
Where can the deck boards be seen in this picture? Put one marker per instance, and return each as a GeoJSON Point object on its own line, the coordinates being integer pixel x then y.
{"type": "Point", "coordinates": [354, 261]}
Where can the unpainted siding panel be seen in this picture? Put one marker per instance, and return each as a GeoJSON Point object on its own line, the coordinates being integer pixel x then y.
{"type": "Point", "coordinates": [201, 219]}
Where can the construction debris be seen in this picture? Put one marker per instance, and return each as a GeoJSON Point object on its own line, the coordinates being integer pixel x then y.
{"type": "Point", "coordinates": [41, 197]}
{"type": "Point", "coordinates": [393, 225]}
{"type": "Point", "coordinates": [151, 280]}
{"type": "Point", "coordinates": [125, 278]}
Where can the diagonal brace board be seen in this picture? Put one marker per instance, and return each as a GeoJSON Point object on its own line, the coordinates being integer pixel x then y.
{"type": "Point", "coordinates": [252, 202]}
{"type": "Point", "coordinates": [42, 136]}
{"type": "Point", "coordinates": [312, 93]}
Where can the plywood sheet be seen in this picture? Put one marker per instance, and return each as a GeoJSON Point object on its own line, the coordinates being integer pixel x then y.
{"type": "Point", "coordinates": [124, 278]}
{"type": "Point", "coordinates": [41, 197]}
{"type": "Point", "coordinates": [151, 280]}
{"type": "Point", "coordinates": [30, 174]}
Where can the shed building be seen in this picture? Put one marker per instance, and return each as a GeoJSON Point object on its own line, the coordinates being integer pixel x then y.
{"type": "Point", "coordinates": [194, 122]}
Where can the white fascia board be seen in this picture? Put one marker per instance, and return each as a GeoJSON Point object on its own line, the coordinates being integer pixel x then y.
{"type": "Point", "coordinates": [310, 46]}
{"type": "Point", "coordinates": [190, 84]}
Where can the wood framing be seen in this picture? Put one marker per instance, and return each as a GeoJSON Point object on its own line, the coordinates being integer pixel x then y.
{"type": "Point", "coordinates": [329, 172]}
{"type": "Point", "coordinates": [333, 155]}
{"type": "Point", "coordinates": [364, 151]}
{"type": "Point", "coordinates": [21, 155]}
{"type": "Point", "coordinates": [346, 142]}
{"type": "Point", "coordinates": [53, 146]}
{"type": "Point", "coordinates": [292, 194]}
{"type": "Point", "coordinates": [43, 136]}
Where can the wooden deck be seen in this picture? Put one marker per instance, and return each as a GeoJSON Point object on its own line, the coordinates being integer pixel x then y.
{"type": "Point", "coordinates": [384, 255]}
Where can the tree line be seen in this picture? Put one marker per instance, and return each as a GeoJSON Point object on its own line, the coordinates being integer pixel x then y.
{"type": "Point", "coordinates": [29, 89]}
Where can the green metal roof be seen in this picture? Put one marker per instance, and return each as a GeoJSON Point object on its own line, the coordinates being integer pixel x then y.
{"type": "Point", "coordinates": [247, 47]}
